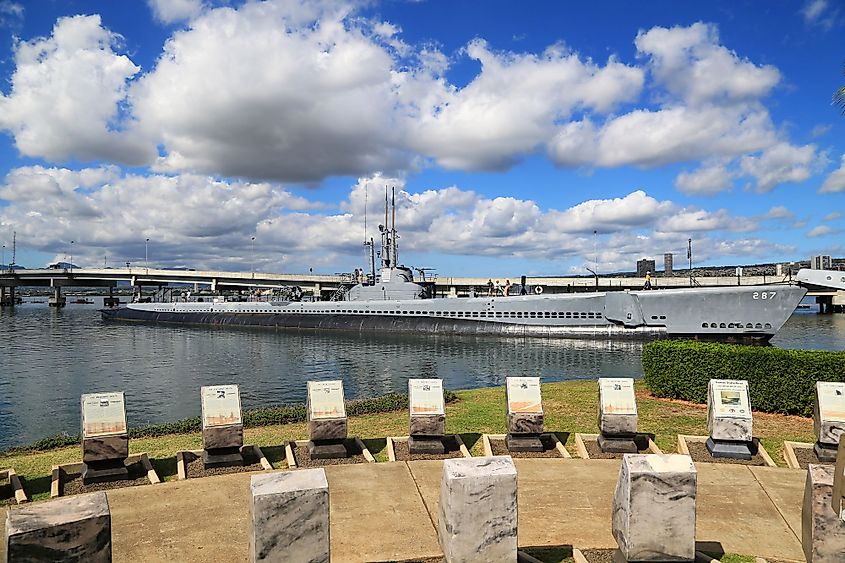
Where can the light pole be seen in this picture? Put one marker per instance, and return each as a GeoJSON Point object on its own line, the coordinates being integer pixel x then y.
{"type": "Point", "coordinates": [71, 256]}
{"type": "Point", "coordinates": [146, 254]}
{"type": "Point", "coordinates": [596, 249]}
{"type": "Point", "coordinates": [3, 261]}
{"type": "Point", "coordinates": [253, 255]}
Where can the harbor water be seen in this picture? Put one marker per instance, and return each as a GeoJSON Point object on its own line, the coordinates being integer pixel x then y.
{"type": "Point", "coordinates": [49, 357]}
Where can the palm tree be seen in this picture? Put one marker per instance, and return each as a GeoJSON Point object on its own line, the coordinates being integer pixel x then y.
{"type": "Point", "coordinates": [839, 95]}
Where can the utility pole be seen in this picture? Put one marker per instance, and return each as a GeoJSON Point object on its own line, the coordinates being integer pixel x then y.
{"type": "Point", "coordinates": [14, 249]}
{"type": "Point", "coordinates": [689, 257]}
{"type": "Point", "coordinates": [71, 256]}
{"type": "Point", "coordinates": [253, 255]}
{"type": "Point", "coordinates": [146, 254]}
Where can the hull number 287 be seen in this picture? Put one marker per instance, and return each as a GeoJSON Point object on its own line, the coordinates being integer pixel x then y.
{"type": "Point", "coordinates": [764, 294]}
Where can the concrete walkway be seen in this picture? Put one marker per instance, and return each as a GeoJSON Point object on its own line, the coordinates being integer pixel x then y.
{"type": "Point", "coordinates": [388, 511]}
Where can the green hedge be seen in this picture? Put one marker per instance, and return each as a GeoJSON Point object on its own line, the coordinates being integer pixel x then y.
{"type": "Point", "coordinates": [781, 381]}
{"type": "Point", "coordinates": [266, 416]}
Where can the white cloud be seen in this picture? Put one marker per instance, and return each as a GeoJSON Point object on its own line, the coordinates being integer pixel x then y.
{"type": "Point", "coordinates": [779, 212]}
{"type": "Point", "coordinates": [832, 216]}
{"type": "Point", "coordinates": [821, 231]}
{"type": "Point", "coordinates": [707, 180]}
{"type": "Point", "coordinates": [781, 163]}
{"type": "Point", "coordinates": [636, 209]}
{"type": "Point", "coordinates": [510, 108]}
{"type": "Point", "coordinates": [691, 64]}
{"type": "Point", "coordinates": [819, 13]}
{"type": "Point", "coordinates": [820, 130]}
{"type": "Point", "coordinates": [836, 181]}
{"type": "Point", "coordinates": [692, 220]}
{"type": "Point", "coordinates": [171, 11]}
{"type": "Point", "coordinates": [65, 96]}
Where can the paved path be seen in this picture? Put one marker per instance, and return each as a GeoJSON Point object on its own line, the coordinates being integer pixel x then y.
{"type": "Point", "coordinates": [388, 511]}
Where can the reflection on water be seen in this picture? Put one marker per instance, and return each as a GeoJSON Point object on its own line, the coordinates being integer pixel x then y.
{"type": "Point", "coordinates": [51, 357]}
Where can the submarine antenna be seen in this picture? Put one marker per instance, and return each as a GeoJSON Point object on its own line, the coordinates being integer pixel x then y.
{"type": "Point", "coordinates": [393, 232]}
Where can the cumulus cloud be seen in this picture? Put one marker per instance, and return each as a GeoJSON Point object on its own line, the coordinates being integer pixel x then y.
{"type": "Point", "coordinates": [209, 223]}
{"type": "Point", "coordinates": [171, 11]}
{"type": "Point", "coordinates": [510, 108]}
{"type": "Point", "coordinates": [65, 92]}
{"type": "Point", "coordinates": [836, 181]}
{"type": "Point", "coordinates": [692, 65]}
{"type": "Point", "coordinates": [707, 180]}
{"type": "Point", "coordinates": [779, 212]}
{"type": "Point", "coordinates": [781, 163]}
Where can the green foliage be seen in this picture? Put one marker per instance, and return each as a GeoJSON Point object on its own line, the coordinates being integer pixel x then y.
{"type": "Point", "coordinates": [780, 381]}
{"type": "Point", "coordinates": [285, 414]}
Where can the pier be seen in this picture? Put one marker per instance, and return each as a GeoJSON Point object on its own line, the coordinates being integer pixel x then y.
{"type": "Point", "coordinates": [323, 286]}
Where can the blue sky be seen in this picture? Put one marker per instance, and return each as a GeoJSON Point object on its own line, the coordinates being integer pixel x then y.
{"type": "Point", "coordinates": [511, 131]}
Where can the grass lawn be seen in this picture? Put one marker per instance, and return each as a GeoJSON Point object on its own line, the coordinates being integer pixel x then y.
{"type": "Point", "coordinates": [569, 406]}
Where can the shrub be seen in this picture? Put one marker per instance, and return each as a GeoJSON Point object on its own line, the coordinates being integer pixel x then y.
{"type": "Point", "coordinates": [265, 416]}
{"type": "Point", "coordinates": [781, 381]}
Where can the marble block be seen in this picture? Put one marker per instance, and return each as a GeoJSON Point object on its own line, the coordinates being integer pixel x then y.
{"type": "Point", "coordinates": [76, 528]}
{"type": "Point", "coordinates": [289, 517]}
{"type": "Point", "coordinates": [617, 407]}
{"type": "Point", "coordinates": [822, 531]}
{"type": "Point", "coordinates": [654, 508]}
{"type": "Point", "coordinates": [220, 437]}
{"type": "Point", "coordinates": [427, 425]}
{"type": "Point", "coordinates": [478, 510]}
{"type": "Point", "coordinates": [735, 427]}
{"type": "Point", "coordinates": [617, 424]}
{"type": "Point", "coordinates": [105, 448]}
{"type": "Point", "coordinates": [826, 428]}
{"type": "Point", "coordinates": [327, 429]}
{"type": "Point", "coordinates": [525, 423]}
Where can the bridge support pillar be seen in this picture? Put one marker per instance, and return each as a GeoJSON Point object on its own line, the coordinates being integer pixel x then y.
{"type": "Point", "coordinates": [825, 304]}
{"type": "Point", "coordinates": [3, 298]}
{"type": "Point", "coordinates": [57, 299]}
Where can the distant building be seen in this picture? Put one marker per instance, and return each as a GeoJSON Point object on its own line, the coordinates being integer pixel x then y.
{"type": "Point", "coordinates": [821, 262]}
{"type": "Point", "coordinates": [645, 265]}
{"type": "Point", "coordinates": [667, 263]}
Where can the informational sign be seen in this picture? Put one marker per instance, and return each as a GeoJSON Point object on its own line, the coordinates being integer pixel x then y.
{"type": "Point", "coordinates": [524, 395]}
{"type": "Point", "coordinates": [325, 399]}
{"type": "Point", "coordinates": [221, 405]}
{"type": "Point", "coordinates": [426, 396]}
{"type": "Point", "coordinates": [730, 398]}
{"type": "Point", "coordinates": [617, 395]}
{"type": "Point", "coordinates": [103, 414]}
{"type": "Point", "coordinates": [831, 396]}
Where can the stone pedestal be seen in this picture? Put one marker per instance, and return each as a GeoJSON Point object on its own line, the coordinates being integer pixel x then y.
{"type": "Point", "coordinates": [76, 528]}
{"type": "Point", "coordinates": [327, 449]}
{"type": "Point", "coordinates": [327, 437]}
{"type": "Point", "coordinates": [426, 445]}
{"type": "Point", "coordinates": [729, 420]}
{"type": "Point", "coordinates": [290, 517]}
{"type": "Point", "coordinates": [654, 508]}
{"type": "Point", "coordinates": [617, 415]}
{"type": "Point", "coordinates": [104, 458]}
{"type": "Point", "coordinates": [524, 431]}
{"type": "Point", "coordinates": [828, 418]}
{"type": "Point", "coordinates": [222, 445]}
{"type": "Point", "coordinates": [478, 510]}
{"type": "Point", "coordinates": [822, 530]}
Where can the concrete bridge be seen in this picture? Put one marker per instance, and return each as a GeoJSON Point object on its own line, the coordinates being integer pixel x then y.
{"type": "Point", "coordinates": [323, 286]}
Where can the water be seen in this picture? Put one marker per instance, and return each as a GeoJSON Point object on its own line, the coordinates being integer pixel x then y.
{"type": "Point", "coordinates": [50, 357]}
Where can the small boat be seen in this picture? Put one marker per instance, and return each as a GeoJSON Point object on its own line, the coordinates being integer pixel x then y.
{"type": "Point", "coordinates": [82, 301]}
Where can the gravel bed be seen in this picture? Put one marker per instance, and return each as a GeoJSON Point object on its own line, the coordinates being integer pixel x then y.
{"type": "Point", "coordinates": [499, 447]}
{"type": "Point", "coordinates": [698, 452]}
{"type": "Point", "coordinates": [195, 468]}
{"type": "Point", "coordinates": [595, 452]}
{"type": "Point", "coordinates": [453, 450]}
{"type": "Point", "coordinates": [303, 459]}
{"type": "Point", "coordinates": [806, 456]}
{"type": "Point", "coordinates": [598, 555]}
{"type": "Point", "coordinates": [71, 484]}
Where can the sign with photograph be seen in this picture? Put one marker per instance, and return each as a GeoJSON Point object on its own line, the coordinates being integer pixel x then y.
{"type": "Point", "coordinates": [831, 397]}
{"type": "Point", "coordinates": [221, 405]}
{"type": "Point", "coordinates": [524, 395]}
{"type": "Point", "coordinates": [325, 399]}
{"type": "Point", "coordinates": [730, 398]}
{"type": "Point", "coordinates": [103, 414]}
{"type": "Point", "coordinates": [426, 396]}
{"type": "Point", "coordinates": [617, 395]}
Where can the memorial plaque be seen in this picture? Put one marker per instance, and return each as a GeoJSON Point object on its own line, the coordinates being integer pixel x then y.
{"type": "Point", "coordinates": [831, 397]}
{"type": "Point", "coordinates": [221, 405]}
{"type": "Point", "coordinates": [103, 414]}
{"type": "Point", "coordinates": [730, 398]}
{"type": "Point", "coordinates": [325, 400]}
{"type": "Point", "coordinates": [617, 396]}
{"type": "Point", "coordinates": [426, 397]}
{"type": "Point", "coordinates": [524, 395]}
